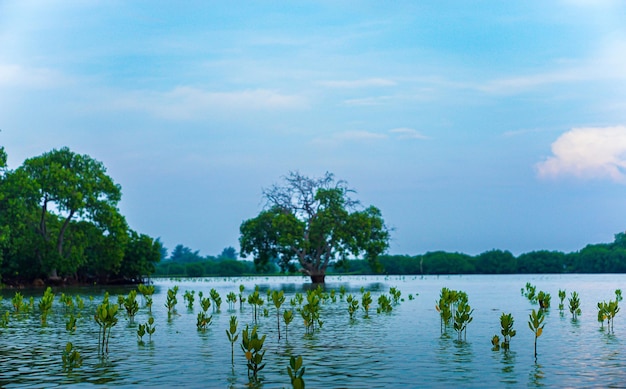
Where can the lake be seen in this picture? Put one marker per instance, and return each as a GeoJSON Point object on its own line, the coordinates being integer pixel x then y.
{"type": "Point", "coordinates": [404, 348]}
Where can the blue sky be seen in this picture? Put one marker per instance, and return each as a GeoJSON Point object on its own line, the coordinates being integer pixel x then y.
{"type": "Point", "coordinates": [496, 125]}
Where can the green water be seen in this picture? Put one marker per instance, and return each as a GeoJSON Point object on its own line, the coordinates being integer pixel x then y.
{"type": "Point", "coordinates": [404, 348]}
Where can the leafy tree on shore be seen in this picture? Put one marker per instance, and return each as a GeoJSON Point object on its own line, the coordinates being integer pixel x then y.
{"type": "Point", "coordinates": [315, 222]}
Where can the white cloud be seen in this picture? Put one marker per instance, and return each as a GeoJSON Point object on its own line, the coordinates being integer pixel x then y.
{"type": "Point", "coordinates": [12, 75]}
{"type": "Point", "coordinates": [362, 83]}
{"type": "Point", "coordinates": [588, 153]}
{"type": "Point", "coordinates": [407, 133]}
{"type": "Point", "coordinates": [189, 102]}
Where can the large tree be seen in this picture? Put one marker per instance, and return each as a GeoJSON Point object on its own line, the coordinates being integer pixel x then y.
{"type": "Point", "coordinates": [70, 186]}
{"type": "Point", "coordinates": [315, 222]}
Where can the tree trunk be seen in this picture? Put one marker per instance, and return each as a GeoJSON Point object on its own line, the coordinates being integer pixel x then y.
{"type": "Point", "coordinates": [318, 278]}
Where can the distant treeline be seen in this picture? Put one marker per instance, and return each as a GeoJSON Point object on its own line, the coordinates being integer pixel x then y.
{"type": "Point", "coordinates": [594, 258]}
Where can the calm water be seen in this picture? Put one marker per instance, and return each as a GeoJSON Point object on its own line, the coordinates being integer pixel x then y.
{"type": "Point", "coordinates": [397, 350]}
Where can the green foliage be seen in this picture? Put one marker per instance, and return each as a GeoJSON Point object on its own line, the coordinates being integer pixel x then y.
{"type": "Point", "coordinates": [70, 324]}
{"type": "Point", "coordinates": [147, 291]}
{"type": "Point", "coordinates": [395, 294]}
{"type": "Point", "coordinates": [607, 311]}
{"type": "Point", "coordinates": [232, 335]}
{"type": "Point", "coordinates": [462, 317]}
{"type": "Point", "coordinates": [256, 301]}
{"type": "Point", "coordinates": [506, 329]}
{"type": "Point", "coordinates": [18, 302]}
{"type": "Point", "coordinates": [495, 343]}
{"type": "Point", "coordinates": [448, 303]}
{"type": "Point", "coordinates": [288, 318]}
{"type": "Point", "coordinates": [146, 328]}
{"type": "Point", "coordinates": [4, 320]}
{"type": "Point", "coordinates": [311, 311]}
{"type": "Point", "coordinates": [171, 300]}
{"type": "Point", "coordinates": [231, 299]}
{"type": "Point", "coordinates": [530, 293]}
{"type": "Point", "coordinates": [106, 318]}
{"type": "Point", "coordinates": [131, 305]}
{"type": "Point", "coordinates": [384, 304]}
{"type": "Point", "coordinates": [353, 305]}
{"type": "Point", "coordinates": [574, 306]}
{"type": "Point", "coordinates": [313, 221]}
{"type": "Point", "coordinates": [217, 300]}
{"type": "Point", "coordinates": [188, 296]}
{"type": "Point", "coordinates": [544, 299]}
{"type": "Point", "coordinates": [296, 371]}
{"type": "Point", "coordinates": [535, 320]}
{"type": "Point", "coordinates": [561, 298]}
{"type": "Point", "coordinates": [252, 346]}
{"type": "Point", "coordinates": [366, 302]}
{"type": "Point", "coordinates": [71, 358]}
{"type": "Point", "coordinates": [45, 304]}
{"type": "Point", "coordinates": [278, 298]}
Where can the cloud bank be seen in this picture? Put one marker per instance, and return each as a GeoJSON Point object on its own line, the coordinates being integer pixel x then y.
{"type": "Point", "coordinates": [588, 153]}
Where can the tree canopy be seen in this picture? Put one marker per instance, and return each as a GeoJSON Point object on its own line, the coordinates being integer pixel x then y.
{"type": "Point", "coordinates": [59, 221]}
{"type": "Point", "coordinates": [314, 222]}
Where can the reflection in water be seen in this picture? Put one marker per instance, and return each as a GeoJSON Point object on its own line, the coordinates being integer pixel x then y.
{"type": "Point", "coordinates": [536, 376]}
{"type": "Point", "coordinates": [508, 367]}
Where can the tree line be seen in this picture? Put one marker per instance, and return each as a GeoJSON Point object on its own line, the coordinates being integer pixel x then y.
{"type": "Point", "coordinates": [593, 258]}
{"type": "Point", "coordinates": [59, 223]}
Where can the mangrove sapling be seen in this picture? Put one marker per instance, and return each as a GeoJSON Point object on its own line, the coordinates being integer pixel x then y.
{"type": "Point", "coordinates": [544, 299]}
{"type": "Point", "coordinates": [106, 319]}
{"type": "Point", "coordinates": [561, 298]}
{"type": "Point", "coordinates": [217, 300]}
{"type": "Point", "coordinates": [4, 320]}
{"type": "Point", "coordinates": [607, 311]}
{"type": "Point", "coordinates": [189, 297]}
{"type": "Point", "coordinates": [506, 329]}
{"type": "Point", "coordinates": [535, 320]}
{"type": "Point", "coordinates": [68, 303]}
{"type": "Point", "coordinates": [296, 371]}
{"type": "Point", "coordinates": [170, 302]}
{"type": "Point", "coordinates": [462, 317]}
{"type": "Point", "coordinates": [252, 347]}
{"type": "Point", "coordinates": [530, 293]}
{"type": "Point", "coordinates": [45, 304]}
{"type": "Point", "coordinates": [342, 292]}
{"type": "Point", "coordinates": [395, 295]}
{"type": "Point", "coordinates": [256, 301]}
{"type": "Point", "coordinates": [232, 335]}
{"type": "Point", "coordinates": [618, 295]}
{"type": "Point", "coordinates": [366, 301]}
{"type": "Point", "coordinates": [288, 318]}
{"type": "Point", "coordinates": [80, 303]}
{"type": "Point", "coordinates": [353, 305]}
{"type": "Point", "coordinates": [278, 298]}
{"type": "Point", "coordinates": [231, 299]}
{"type": "Point", "coordinates": [147, 291]}
{"type": "Point", "coordinates": [333, 296]}
{"type": "Point", "coordinates": [141, 331]}
{"type": "Point", "coordinates": [241, 289]}
{"type": "Point", "coordinates": [150, 327]}
{"type": "Point", "coordinates": [310, 312]}
{"type": "Point", "coordinates": [204, 319]}
{"type": "Point", "coordinates": [71, 358]}
{"type": "Point", "coordinates": [18, 302]}
{"type": "Point", "coordinates": [574, 306]}
{"type": "Point", "coordinates": [70, 324]}
{"type": "Point", "coordinates": [131, 305]}
{"type": "Point", "coordinates": [384, 304]}
{"type": "Point", "coordinates": [495, 342]}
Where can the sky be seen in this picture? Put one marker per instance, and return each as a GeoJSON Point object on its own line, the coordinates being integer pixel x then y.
{"type": "Point", "coordinates": [471, 126]}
